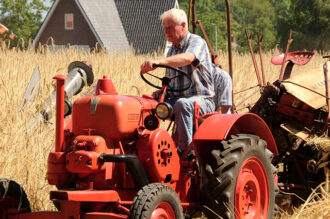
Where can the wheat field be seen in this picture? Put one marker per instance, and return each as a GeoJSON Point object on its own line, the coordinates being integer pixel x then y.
{"type": "Point", "coordinates": [24, 152]}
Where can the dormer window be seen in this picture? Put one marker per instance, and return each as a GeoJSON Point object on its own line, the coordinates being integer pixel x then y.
{"type": "Point", "coordinates": [68, 21]}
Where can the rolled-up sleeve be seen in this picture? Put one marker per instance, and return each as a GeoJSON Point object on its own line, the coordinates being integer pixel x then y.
{"type": "Point", "coordinates": [197, 47]}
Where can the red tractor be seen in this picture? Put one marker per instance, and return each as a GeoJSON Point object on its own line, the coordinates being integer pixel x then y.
{"type": "Point", "coordinates": [112, 160]}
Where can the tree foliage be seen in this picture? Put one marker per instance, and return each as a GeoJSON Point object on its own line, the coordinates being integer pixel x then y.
{"type": "Point", "coordinates": [309, 20]}
{"type": "Point", "coordinates": [255, 16]}
{"type": "Point", "coordinates": [23, 17]}
{"type": "Point", "coordinates": [212, 21]}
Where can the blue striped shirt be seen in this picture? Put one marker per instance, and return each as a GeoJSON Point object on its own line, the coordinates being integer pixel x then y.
{"type": "Point", "coordinates": [200, 70]}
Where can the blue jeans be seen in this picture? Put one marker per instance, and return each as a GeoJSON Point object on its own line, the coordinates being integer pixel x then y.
{"type": "Point", "coordinates": [183, 109]}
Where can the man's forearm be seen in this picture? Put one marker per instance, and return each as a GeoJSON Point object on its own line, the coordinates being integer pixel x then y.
{"type": "Point", "coordinates": [178, 60]}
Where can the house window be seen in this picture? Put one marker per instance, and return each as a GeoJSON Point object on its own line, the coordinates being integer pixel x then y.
{"type": "Point", "coordinates": [68, 21]}
{"type": "Point", "coordinates": [84, 49]}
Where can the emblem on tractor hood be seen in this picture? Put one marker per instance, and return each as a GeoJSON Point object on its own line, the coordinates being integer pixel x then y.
{"type": "Point", "coordinates": [94, 102]}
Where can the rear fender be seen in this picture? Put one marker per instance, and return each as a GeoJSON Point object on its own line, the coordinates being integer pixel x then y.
{"type": "Point", "coordinates": [218, 127]}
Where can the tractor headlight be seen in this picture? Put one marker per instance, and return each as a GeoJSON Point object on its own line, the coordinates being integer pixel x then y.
{"type": "Point", "coordinates": [164, 110]}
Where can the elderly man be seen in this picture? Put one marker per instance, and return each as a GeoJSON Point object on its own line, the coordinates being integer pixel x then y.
{"type": "Point", "coordinates": [189, 52]}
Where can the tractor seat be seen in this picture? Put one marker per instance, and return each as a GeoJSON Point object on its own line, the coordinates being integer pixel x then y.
{"type": "Point", "coordinates": [205, 116]}
{"type": "Point", "coordinates": [298, 57]}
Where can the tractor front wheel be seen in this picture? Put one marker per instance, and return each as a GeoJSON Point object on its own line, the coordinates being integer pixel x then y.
{"type": "Point", "coordinates": [241, 178]}
{"type": "Point", "coordinates": [155, 201]}
{"type": "Point", "coordinates": [12, 197]}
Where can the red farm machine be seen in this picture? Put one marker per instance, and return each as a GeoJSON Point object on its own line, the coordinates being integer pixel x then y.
{"type": "Point", "coordinates": [296, 108]}
{"type": "Point", "coordinates": [112, 159]}
{"type": "Point", "coordinates": [5, 33]}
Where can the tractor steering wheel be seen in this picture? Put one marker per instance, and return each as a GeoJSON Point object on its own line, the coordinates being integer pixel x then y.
{"type": "Point", "coordinates": [166, 80]}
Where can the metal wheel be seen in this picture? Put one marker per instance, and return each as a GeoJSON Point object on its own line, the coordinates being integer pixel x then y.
{"type": "Point", "coordinates": [156, 201]}
{"type": "Point", "coordinates": [163, 210]}
{"type": "Point", "coordinates": [252, 192]}
{"type": "Point", "coordinates": [241, 178]}
{"type": "Point", "coordinates": [13, 197]}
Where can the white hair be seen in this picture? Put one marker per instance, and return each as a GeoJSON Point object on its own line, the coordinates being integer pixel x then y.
{"type": "Point", "coordinates": [178, 15]}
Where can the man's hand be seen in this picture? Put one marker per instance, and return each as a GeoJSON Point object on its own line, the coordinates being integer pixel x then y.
{"type": "Point", "coordinates": [156, 94]}
{"type": "Point", "coordinates": [147, 66]}
{"type": "Point", "coordinates": [177, 60]}
{"type": "Point", "coordinates": [223, 109]}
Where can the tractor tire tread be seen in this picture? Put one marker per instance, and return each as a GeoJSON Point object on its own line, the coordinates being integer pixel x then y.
{"type": "Point", "coordinates": [143, 201]}
{"type": "Point", "coordinates": [220, 174]}
{"type": "Point", "coordinates": [10, 188]}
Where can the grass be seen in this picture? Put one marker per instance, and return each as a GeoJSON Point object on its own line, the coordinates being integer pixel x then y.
{"type": "Point", "coordinates": [24, 152]}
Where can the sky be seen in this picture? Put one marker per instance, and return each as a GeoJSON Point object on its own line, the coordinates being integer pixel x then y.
{"type": "Point", "coordinates": [47, 3]}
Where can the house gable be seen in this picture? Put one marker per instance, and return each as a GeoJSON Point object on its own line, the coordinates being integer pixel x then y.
{"type": "Point", "coordinates": [104, 18]}
{"type": "Point", "coordinates": [113, 24]}
{"type": "Point", "coordinates": [81, 34]}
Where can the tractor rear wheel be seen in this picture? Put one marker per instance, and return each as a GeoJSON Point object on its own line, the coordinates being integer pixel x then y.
{"type": "Point", "coordinates": [12, 196]}
{"type": "Point", "coordinates": [155, 201]}
{"type": "Point", "coordinates": [241, 178]}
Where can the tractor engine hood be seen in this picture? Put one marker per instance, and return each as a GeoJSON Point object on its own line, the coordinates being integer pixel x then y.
{"type": "Point", "coordinates": [111, 116]}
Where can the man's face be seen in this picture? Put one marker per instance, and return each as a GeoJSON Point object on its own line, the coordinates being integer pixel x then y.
{"type": "Point", "coordinates": [174, 32]}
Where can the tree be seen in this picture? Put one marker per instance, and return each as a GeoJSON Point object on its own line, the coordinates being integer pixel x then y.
{"type": "Point", "coordinates": [23, 17]}
{"type": "Point", "coordinates": [256, 16]}
{"type": "Point", "coordinates": [309, 21]}
{"type": "Point", "coordinates": [311, 24]}
{"type": "Point", "coordinates": [210, 12]}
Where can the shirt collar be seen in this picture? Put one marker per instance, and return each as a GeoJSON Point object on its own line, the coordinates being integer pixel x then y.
{"type": "Point", "coordinates": [183, 42]}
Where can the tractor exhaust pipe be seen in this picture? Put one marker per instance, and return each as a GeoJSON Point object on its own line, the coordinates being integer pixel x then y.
{"type": "Point", "coordinates": [67, 86]}
{"type": "Point", "coordinates": [134, 165]}
{"type": "Point", "coordinates": [60, 79]}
